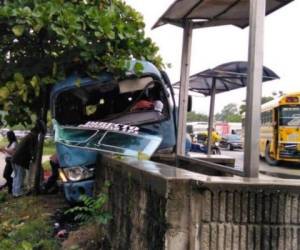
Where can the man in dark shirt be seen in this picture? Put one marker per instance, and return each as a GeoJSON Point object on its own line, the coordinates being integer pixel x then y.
{"type": "Point", "coordinates": [22, 158]}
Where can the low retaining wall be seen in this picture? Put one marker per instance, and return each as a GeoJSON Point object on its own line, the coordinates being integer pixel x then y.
{"type": "Point", "coordinates": [157, 206]}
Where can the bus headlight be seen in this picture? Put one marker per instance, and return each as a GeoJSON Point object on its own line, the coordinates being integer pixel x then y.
{"type": "Point", "coordinates": [78, 173]}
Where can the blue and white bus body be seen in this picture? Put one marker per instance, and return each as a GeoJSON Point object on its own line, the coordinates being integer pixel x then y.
{"type": "Point", "coordinates": [77, 121]}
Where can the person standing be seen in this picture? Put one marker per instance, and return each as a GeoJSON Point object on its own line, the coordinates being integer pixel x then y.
{"type": "Point", "coordinates": [8, 152]}
{"type": "Point", "coordinates": [21, 159]}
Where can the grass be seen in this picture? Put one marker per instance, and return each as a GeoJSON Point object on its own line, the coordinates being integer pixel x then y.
{"type": "Point", "coordinates": [25, 223]}
{"type": "Point", "coordinates": [3, 142]}
{"type": "Point", "coordinates": [46, 165]}
{"type": "Point", "coordinates": [49, 147]}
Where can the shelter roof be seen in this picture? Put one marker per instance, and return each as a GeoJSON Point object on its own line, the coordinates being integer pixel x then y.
{"type": "Point", "coordinates": [208, 13]}
{"type": "Point", "coordinates": [227, 76]}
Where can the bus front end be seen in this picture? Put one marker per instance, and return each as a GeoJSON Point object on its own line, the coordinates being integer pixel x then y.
{"type": "Point", "coordinates": [289, 130]}
{"type": "Point", "coordinates": [131, 117]}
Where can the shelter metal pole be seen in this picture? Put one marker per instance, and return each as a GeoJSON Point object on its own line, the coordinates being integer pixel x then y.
{"type": "Point", "coordinates": [211, 116]}
{"type": "Point", "coordinates": [254, 84]}
{"type": "Point", "coordinates": [184, 86]}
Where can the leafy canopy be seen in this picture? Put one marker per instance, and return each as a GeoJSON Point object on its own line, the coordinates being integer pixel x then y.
{"type": "Point", "coordinates": [42, 41]}
{"type": "Point", "coordinates": [196, 117]}
{"type": "Point", "coordinates": [229, 113]}
{"type": "Point", "coordinates": [264, 99]}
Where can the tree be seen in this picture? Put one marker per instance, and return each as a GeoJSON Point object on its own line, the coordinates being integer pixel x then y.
{"type": "Point", "coordinates": [279, 93]}
{"type": "Point", "coordinates": [264, 99]}
{"type": "Point", "coordinates": [43, 41]}
{"type": "Point", "coordinates": [195, 117]}
{"type": "Point", "coordinates": [229, 114]}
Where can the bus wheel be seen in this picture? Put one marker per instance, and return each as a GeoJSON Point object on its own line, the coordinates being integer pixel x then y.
{"type": "Point", "coordinates": [269, 159]}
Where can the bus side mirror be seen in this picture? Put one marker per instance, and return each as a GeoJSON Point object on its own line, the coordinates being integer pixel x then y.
{"type": "Point", "coordinates": [190, 103]}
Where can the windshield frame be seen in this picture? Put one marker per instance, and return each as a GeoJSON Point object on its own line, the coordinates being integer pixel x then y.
{"type": "Point", "coordinates": [150, 141]}
{"type": "Point", "coordinates": [295, 116]}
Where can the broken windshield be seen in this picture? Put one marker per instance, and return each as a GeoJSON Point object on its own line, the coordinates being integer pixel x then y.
{"type": "Point", "coordinates": [108, 137]}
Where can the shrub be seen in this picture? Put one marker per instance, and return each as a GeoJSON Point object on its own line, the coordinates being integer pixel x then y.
{"type": "Point", "coordinates": [34, 234]}
{"type": "Point", "coordinates": [93, 208]}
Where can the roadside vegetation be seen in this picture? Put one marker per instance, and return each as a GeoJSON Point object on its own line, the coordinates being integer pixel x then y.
{"type": "Point", "coordinates": [230, 112]}
{"type": "Point", "coordinates": [26, 222]}
{"type": "Point", "coordinates": [44, 42]}
{"type": "Point", "coordinates": [47, 222]}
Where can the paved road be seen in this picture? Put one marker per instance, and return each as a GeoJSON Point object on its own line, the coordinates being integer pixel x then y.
{"type": "Point", "coordinates": [284, 170]}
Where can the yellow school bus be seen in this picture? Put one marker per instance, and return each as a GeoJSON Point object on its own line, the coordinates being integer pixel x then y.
{"type": "Point", "coordinates": [280, 129]}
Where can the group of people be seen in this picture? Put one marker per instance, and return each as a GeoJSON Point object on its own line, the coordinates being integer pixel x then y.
{"type": "Point", "coordinates": [18, 157]}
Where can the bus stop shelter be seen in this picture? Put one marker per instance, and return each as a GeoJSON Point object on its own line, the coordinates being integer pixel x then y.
{"type": "Point", "coordinates": [223, 78]}
{"type": "Point", "coordinates": [192, 14]}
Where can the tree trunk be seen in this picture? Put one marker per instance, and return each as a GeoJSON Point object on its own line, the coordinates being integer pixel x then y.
{"type": "Point", "coordinates": [36, 172]}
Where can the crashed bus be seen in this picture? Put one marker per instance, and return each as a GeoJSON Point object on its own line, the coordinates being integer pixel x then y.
{"type": "Point", "coordinates": [133, 117]}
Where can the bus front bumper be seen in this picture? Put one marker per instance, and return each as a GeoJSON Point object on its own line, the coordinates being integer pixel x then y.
{"type": "Point", "coordinates": [73, 190]}
{"type": "Point", "coordinates": [289, 151]}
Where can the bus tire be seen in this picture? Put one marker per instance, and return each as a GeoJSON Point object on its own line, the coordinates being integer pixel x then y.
{"type": "Point", "coordinates": [269, 159]}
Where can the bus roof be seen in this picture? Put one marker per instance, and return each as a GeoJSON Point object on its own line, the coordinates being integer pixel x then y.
{"type": "Point", "coordinates": [74, 81]}
{"type": "Point", "coordinates": [280, 101]}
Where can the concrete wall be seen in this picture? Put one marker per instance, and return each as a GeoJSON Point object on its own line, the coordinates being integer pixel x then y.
{"type": "Point", "coordinates": [247, 217]}
{"type": "Point", "coordinates": [157, 206]}
{"type": "Point", "coordinates": [137, 204]}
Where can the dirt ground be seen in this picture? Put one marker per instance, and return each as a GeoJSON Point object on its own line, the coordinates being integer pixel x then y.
{"type": "Point", "coordinates": [51, 208]}
{"type": "Point", "coordinates": [86, 238]}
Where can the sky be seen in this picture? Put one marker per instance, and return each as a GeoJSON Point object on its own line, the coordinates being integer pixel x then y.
{"type": "Point", "coordinates": [214, 46]}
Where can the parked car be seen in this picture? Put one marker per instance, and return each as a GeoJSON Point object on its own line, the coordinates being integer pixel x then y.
{"type": "Point", "coordinates": [231, 142]}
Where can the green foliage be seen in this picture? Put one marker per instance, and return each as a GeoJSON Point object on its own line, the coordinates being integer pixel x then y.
{"type": "Point", "coordinates": [93, 209]}
{"type": "Point", "coordinates": [47, 166]}
{"type": "Point", "coordinates": [229, 113]}
{"type": "Point", "coordinates": [34, 234]}
{"type": "Point", "coordinates": [3, 197]}
{"type": "Point", "coordinates": [49, 147]}
{"type": "Point", "coordinates": [3, 142]}
{"type": "Point", "coordinates": [26, 222]}
{"type": "Point", "coordinates": [196, 117]}
{"type": "Point", "coordinates": [264, 99]}
{"type": "Point", "coordinates": [42, 41]}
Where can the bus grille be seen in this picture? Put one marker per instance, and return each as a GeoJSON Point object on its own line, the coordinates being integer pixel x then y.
{"type": "Point", "coordinates": [289, 150]}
